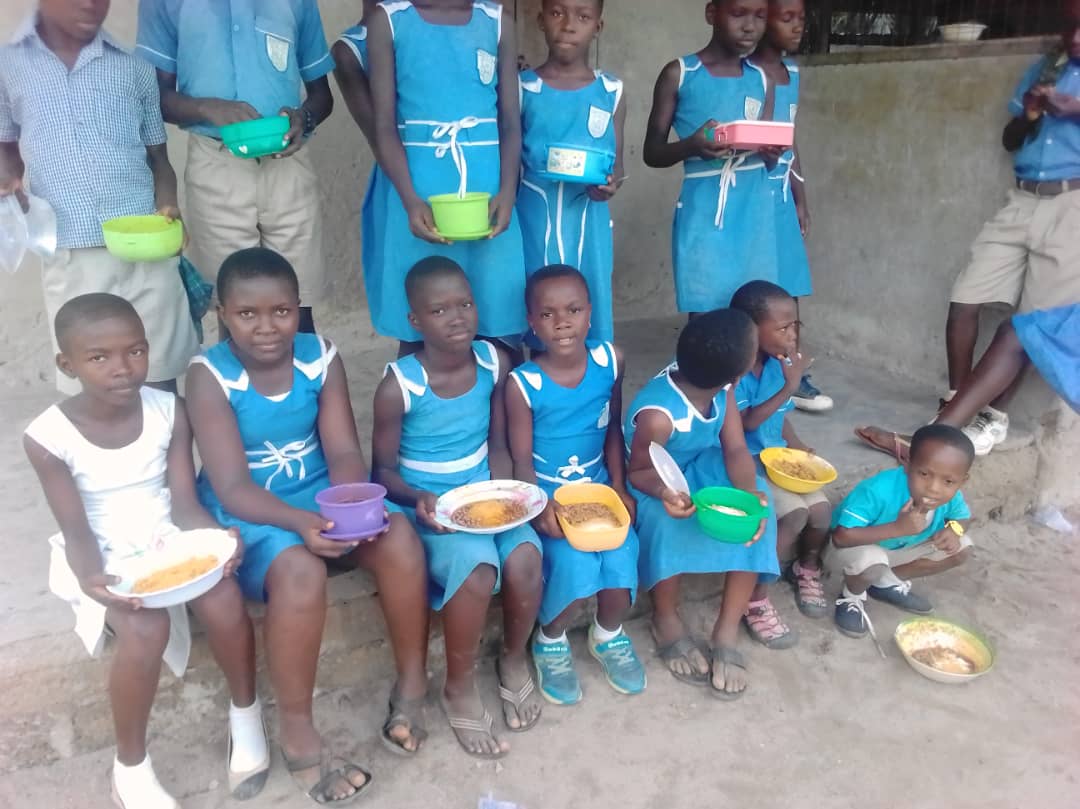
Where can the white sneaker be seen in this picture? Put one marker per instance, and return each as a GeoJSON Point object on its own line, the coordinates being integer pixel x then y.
{"type": "Point", "coordinates": [988, 429]}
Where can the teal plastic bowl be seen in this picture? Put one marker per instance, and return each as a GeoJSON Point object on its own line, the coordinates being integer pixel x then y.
{"type": "Point", "coordinates": [724, 526]}
{"type": "Point", "coordinates": [257, 138]}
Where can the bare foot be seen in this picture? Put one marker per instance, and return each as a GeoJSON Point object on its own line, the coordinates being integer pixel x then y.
{"type": "Point", "coordinates": [471, 723]}
{"type": "Point", "coordinates": [520, 702]}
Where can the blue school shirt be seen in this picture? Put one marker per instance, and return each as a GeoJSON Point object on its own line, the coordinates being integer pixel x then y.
{"type": "Point", "coordinates": [570, 424]}
{"type": "Point", "coordinates": [82, 133]}
{"type": "Point", "coordinates": [879, 500]}
{"type": "Point", "coordinates": [752, 391]}
{"type": "Point", "coordinates": [1053, 153]}
{"type": "Point", "coordinates": [258, 51]}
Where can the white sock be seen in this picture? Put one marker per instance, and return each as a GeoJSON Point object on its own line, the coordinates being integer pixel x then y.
{"type": "Point", "coordinates": [139, 788]}
{"type": "Point", "coordinates": [544, 639]}
{"type": "Point", "coordinates": [249, 747]}
{"type": "Point", "coordinates": [848, 594]}
{"type": "Point", "coordinates": [601, 635]}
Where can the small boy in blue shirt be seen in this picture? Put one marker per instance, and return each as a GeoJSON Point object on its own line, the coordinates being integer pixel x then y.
{"type": "Point", "coordinates": [902, 524]}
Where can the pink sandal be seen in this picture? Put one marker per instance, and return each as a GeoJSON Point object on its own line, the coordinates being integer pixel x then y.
{"type": "Point", "coordinates": [766, 627]}
{"type": "Point", "coordinates": [809, 592]}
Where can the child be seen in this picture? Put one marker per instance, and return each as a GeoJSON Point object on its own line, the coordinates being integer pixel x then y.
{"type": "Point", "coordinates": [440, 423]}
{"type": "Point", "coordinates": [115, 463]}
{"type": "Point", "coordinates": [901, 524]}
{"type": "Point", "coordinates": [686, 409]}
{"type": "Point", "coordinates": [444, 82]}
{"type": "Point", "coordinates": [725, 214]}
{"type": "Point", "coordinates": [565, 416]}
{"type": "Point", "coordinates": [224, 61]}
{"type": "Point", "coordinates": [271, 414]}
{"type": "Point", "coordinates": [565, 101]}
{"type": "Point", "coordinates": [93, 154]}
{"type": "Point", "coordinates": [764, 395]}
{"type": "Point", "coordinates": [783, 35]}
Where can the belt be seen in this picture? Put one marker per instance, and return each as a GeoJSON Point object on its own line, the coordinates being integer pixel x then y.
{"type": "Point", "coordinates": [1048, 188]}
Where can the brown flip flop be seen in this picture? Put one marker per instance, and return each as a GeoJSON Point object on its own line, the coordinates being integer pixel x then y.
{"type": "Point", "coordinates": [897, 448]}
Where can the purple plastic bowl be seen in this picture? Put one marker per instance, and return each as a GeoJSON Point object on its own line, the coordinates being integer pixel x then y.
{"type": "Point", "coordinates": [353, 508]}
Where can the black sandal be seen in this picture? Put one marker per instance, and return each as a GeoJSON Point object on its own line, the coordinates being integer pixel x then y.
{"type": "Point", "coordinates": [331, 769]}
{"type": "Point", "coordinates": [404, 713]}
{"type": "Point", "coordinates": [727, 656]}
{"type": "Point", "coordinates": [681, 647]}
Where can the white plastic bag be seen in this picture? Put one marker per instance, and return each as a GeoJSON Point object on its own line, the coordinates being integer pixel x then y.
{"type": "Point", "coordinates": [13, 235]}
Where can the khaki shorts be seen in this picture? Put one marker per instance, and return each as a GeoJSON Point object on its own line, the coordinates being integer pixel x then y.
{"type": "Point", "coordinates": [853, 561]}
{"type": "Point", "coordinates": [1028, 255]}
{"type": "Point", "coordinates": [153, 288]}
{"type": "Point", "coordinates": [786, 502]}
{"type": "Point", "coordinates": [232, 203]}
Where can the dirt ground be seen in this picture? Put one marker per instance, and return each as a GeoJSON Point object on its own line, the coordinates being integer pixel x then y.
{"type": "Point", "coordinates": [827, 723]}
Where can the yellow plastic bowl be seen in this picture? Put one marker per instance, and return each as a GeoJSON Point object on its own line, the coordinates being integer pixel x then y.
{"type": "Point", "coordinates": [824, 472]}
{"type": "Point", "coordinates": [143, 238]}
{"type": "Point", "coordinates": [601, 539]}
{"type": "Point", "coordinates": [916, 634]}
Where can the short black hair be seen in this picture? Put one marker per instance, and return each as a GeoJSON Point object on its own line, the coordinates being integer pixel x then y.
{"type": "Point", "coordinates": [754, 298]}
{"type": "Point", "coordinates": [599, 3]}
{"type": "Point", "coordinates": [942, 434]}
{"type": "Point", "coordinates": [716, 347]}
{"type": "Point", "coordinates": [428, 268]}
{"type": "Point", "coordinates": [549, 273]}
{"type": "Point", "coordinates": [90, 308]}
{"type": "Point", "coordinates": [255, 262]}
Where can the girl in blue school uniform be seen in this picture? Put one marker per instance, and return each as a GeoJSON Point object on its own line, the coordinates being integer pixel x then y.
{"type": "Point", "coordinates": [686, 409]}
{"type": "Point", "coordinates": [723, 233]}
{"type": "Point", "coordinates": [444, 85]}
{"type": "Point", "coordinates": [564, 411]}
{"type": "Point", "coordinates": [270, 411]}
{"type": "Point", "coordinates": [564, 101]}
{"type": "Point", "coordinates": [440, 423]}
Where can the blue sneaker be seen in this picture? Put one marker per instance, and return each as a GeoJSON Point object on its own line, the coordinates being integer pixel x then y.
{"type": "Point", "coordinates": [850, 615]}
{"type": "Point", "coordinates": [900, 595]}
{"type": "Point", "coordinates": [620, 663]}
{"type": "Point", "coordinates": [809, 398]}
{"type": "Point", "coordinates": [555, 673]}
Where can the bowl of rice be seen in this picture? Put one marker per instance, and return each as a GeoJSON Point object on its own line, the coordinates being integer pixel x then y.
{"type": "Point", "coordinates": [182, 567]}
{"type": "Point", "coordinates": [795, 470]}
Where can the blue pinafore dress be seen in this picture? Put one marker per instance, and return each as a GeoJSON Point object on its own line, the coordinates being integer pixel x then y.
{"type": "Point", "coordinates": [444, 444]}
{"type": "Point", "coordinates": [281, 438]}
{"type": "Point", "coordinates": [447, 110]}
{"type": "Point", "coordinates": [1051, 338]}
{"type": "Point", "coordinates": [669, 546]}
{"type": "Point", "coordinates": [792, 265]}
{"type": "Point", "coordinates": [723, 233]}
{"type": "Point", "coordinates": [569, 429]}
{"type": "Point", "coordinates": [753, 390]}
{"type": "Point", "coordinates": [559, 223]}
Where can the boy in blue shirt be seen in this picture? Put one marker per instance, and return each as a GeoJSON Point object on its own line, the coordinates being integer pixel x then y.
{"type": "Point", "coordinates": [902, 524]}
{"type": "Point", "coordinates": [223, 61]}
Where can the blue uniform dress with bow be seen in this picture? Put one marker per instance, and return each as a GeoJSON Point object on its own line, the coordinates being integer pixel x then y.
{"type": "Point", "coordinates": [670, 546]}
{"type": "Point", "coordinates": [281, 438]}
{"type": "Point", "coordinates": [559, 223]}
{"type": "Point", "coordinates": [724, 231]}
{"type": "Point", "coordinates": [569, 429]}
{"type": "Point", "coordinates": [792, 267]}
{"type": "Point", "coordinates": [755, 389]}
{"type": "Point", "coordinates": [1051, 338]}
{"type": "Point", "coordinates": [447, 110]}
{"type": "Point", "coordinates": [444, 444]}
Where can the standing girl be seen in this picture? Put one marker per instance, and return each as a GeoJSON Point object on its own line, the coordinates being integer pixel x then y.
{"type": "Point", "coordinates": [271, 414]}
{"type": "Point", "coordinates": [447, 120]}
{"type": "Point", "coordinates": [723, 234]}
{"type": "Point", "coordinates": [564, 101]}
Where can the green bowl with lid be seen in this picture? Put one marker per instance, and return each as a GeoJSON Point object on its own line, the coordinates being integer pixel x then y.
{"type": "Point", "coordinates": [256, 138]}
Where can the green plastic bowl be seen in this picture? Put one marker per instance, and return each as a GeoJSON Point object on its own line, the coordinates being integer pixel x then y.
{"type": "Point", "coordinates": [732, 528]}
{"type": "Point", "coordinates": [257, 138]}
{"type": "Point", "coordinates": [462, 218]}
{"type": "Point", "coordinates": [143, 238]}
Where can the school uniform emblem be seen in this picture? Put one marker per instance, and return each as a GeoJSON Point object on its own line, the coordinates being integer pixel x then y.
{"type": "Point", "coordinates": [598, 121]}
{"type": "Point", "coordinates": [751, 109]}
{"type": "Point", "coordinates": [792, 109]}
{"type": "Point", "coordinates": [485, 65]}
{"type": "Point", "coordinates": [277, 49]}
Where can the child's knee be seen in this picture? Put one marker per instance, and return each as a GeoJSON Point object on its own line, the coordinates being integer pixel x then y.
{"type": "Point", "coordinates": [224, 602]}
{"type": "Point", "coordinates": [298, 577]}
{"type": "Point", "coordinates": [145, 629]}
{"type": "Point", "coordinates": [523, 567]}
{"type": "Point", "coordinates": [480, 583]}
{"type": "Point", "coordinates": [819, 516]}
{"type": "Point", "coordinates": [792, 523]}
{"type": "Point", "coordinates": [401, 547]}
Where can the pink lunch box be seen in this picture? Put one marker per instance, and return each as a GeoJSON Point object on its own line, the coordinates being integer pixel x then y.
{"type": "Point", "coordinates": [753, 134]}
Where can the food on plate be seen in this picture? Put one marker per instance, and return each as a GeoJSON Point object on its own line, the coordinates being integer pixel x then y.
{"type": "Point", "coordinates": [491, 513]}
{"type": "Point", "coordinates": [795, 469]}
{"type": "Point", "coordinates": [175, 575]}
{"type": "Point", "coordinates": [945, 659]}
{"type": "Point", "coordinates": [590, 516]}
{"type": "Point", "coordinates": [731, 512]}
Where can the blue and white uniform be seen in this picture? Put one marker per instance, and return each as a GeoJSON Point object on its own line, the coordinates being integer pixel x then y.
{"type": "Point", "coordinates": [447, 111]}
{"type": "Point", "coordinates": [755, 389]}
{"type": "Point", "coordinates": [569, 430]}
{"type": "Point", "coordinates": [444, 444]}
{"type": "Point", "coordinates": [1051, 338]}
{"type": "Point", "coordinates": [670, 546]}
{"type": "Point", "coordinates": [724, 233]}
{"type": "Point", "coordinates": [559, 223]}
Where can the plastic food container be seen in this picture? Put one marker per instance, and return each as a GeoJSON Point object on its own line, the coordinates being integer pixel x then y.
{"type": "Point", "coordinates": [824, 472]}
{"type": "Point", "coordinates": [754, 134]}
{"type": "Point", "coordinates": [724, 526]}
{"type": "Point", "coordinates": [599, 539]}
{"type": "Point", "coordinates": [175, 549]}
{"type": "Point", "coordinates": [462, 219]}
{"type": "Point", "coordinates": [918, 634]}
{"type": "Point", "coordinates": [355, 509]}
{"type": "Point", "coordinates": [143, 238]}
{"type": "Point", "coordinates": [256, 138]}
{"type": "Point", "coordinates": [578, 164]}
